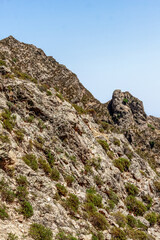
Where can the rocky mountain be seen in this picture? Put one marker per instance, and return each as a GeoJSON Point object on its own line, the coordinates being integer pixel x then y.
{"type": "Point", "coordinates": [71, 167]}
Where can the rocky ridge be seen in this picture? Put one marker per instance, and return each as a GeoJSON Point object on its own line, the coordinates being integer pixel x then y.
{"type": "Point", "coordinates": [69, 162]}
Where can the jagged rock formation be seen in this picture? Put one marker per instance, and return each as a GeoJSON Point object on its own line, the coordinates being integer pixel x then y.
{"type": "Point", "coordinates": [92, 170]}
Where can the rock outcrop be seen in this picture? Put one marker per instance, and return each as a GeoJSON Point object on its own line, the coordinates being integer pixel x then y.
{"type": "Point", "coordinates": [70, 166]}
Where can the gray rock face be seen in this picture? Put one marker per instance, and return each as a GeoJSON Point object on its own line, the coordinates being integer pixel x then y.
{"type": "Point", "coordinates": [94, 153]}
{"type": "Point", "coordinates": [127, 109]}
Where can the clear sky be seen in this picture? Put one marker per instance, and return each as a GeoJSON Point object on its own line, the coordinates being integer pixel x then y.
{"type": "Point", "coordinates": [109, 44]}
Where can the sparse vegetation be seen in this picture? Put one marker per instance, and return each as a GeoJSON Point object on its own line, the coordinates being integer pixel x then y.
{"type": "Point", "coordinates": [39, 232]}
{"type": "Point", "coordinates": [131, 189]}
{"type": "Point", "coordinates": [72, 202]}
{"type": "Point", "coordinates": [12, 236]}
{"type": "Point", "coordinates": [79, 109]}
{"type": "Point", "coordinates": [131, 221]}
{"type": "Point", "coordinates": [157, 186]}
{"type": "Point", "coordinates": [118, 234]}
{"type": "Point", "coordinates": [8, 120]}
{"type": "Point", "coordinates": [99, 221]}
{"type": "Point", "coordinates": [104, 144]}
{"type": "Point", "coordinates": [45, 166]}
{"type": "Point", "coordinates": [122, 163]}
{"type": "Point", "coordinates": [94, 198]}
{"type": "Point", "coordinates": [31, 161]}
{"type": "Point", "coordinates": [135, 206]}
{"type": "Point", "coordinates": [69, 180]}
{"type": "Point", "coordinates": [63, 236]}
{"type": "Point", "coordinates": [116, 142]}
{"type": "Point", "coordinates": [151, 218]}
{"type": "Point", "coordinates": [120, 219]}
{"type": "Point", "coordinates": [55, 175]}
{"type": "Point", "coordinates": [2, 63]}
{"type": "Point", "coordinates": [26, 209]}
{"type": "Point", "coordinates": [3, 214]}
{"type": "Point", "coordinates": [62, 191]}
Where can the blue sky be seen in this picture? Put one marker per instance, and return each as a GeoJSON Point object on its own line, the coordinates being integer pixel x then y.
{"type": "Point", "coordinates": [109, 44]}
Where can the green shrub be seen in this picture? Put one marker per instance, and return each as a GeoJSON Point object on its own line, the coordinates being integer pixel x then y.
{"type": "Point", "coordinates": [111, 204]}
{"type": "Point", "coordinates": [99, 221]}
{"type": "Point", "coordinates": [90, 208]}
{"type": "Point", "coordinates": [98, 236]}
{"type": "Point", "coordinates": [2, 63]}
{"type": "Point", "coordinates": [96, 199]}
{"type": "Point", "coordinates": [22, 181]}
{"type": "Point", "coordinates": [69, 180]}
{"type": "Point", "coordinates": [131, 221]}
{"type": "Point", "coordinates": [39, 232]}
{"type": "Point", "coordinates": [151, 218]}
{"type": "Point", "coordinates": [21, 192]}
{"type": "Point", "coordinates": [55, 175]}
{"type": "Point", "coordinates": [45, 166]}
{"type": "Point", "coordinates": [110, 154]}
{"type": "Point", "coordinates": [7, 195]}
{"type": "Point", "coordinates": [12, 236]}
{"type": "Point", "coordinates": [112, 196]}
{"type": "Point", "coordinates": [131, 189]}
{"type": "Point", "coordinates": [26, 209]}
{"type": "Point", "coordinates": [72, 202]}
{"type": "Point", "coordinates": [30, 119]}
{"type": "Point", "coordinates": [62, 191]}
{"type": "Point", "coordinates": [147, 199]}
{"type": "Point", "coordinates": [19, 135]}
{"type": "Point", "coordinates": [63, 236]}
{"type": "Point", "coordinates": [116, 142]}
{"type": "Point", "coordinates": [48, 93]}
{"type": "Point", "coordinates": [3, 214]}
{"type": "Point", "coordinates": [31, 161]}
{"type": "Point", "coordinates": [135, 206]}
{"type": "Point", "coordinates": [118, 234]}
{"type": "Point", "coordinates": [104, 144]}
{"type": "Point", "coordinates": [125, 100]}
{"type": "Point", "coordinates": [122, 163]}
{"type": "Point", "coordinates": [138, 235]}
{"type": "Point", "coordinates": [120, 219]}
{"type": "Point", "coordinates": [8, 120]}
{"type": "Point", "coordinates": [79, 109]}
{"type": "Point", "coordinates": [98, 181]}
{"type": "Point", "coordinates": [4, 138]}
{"type": "Point", "coordinates": [49, 157]}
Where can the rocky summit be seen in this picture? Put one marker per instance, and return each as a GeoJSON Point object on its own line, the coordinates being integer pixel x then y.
{"type": "Point", "coordinates": [72, 168]}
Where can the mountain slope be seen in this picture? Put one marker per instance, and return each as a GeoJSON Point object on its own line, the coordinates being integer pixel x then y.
{"type": "Point", "coordinates": [68, 162]}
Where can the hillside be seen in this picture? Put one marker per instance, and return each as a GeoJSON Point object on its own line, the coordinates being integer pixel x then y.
{"type": "Point", "coordinates": [71, 167]}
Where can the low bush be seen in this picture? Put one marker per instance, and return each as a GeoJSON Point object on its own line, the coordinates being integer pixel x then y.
{"type": "Point", "coordinates": [72, 202]}
{"type": "Point", "coordinates": [131, 189]}
{"type": "Point", "coordinates": [98, 181]}
{"type": "Point", "coordinates": [49, 157]}
{"type": "Point", "coordinates": [135, 206]}
{"type": "Point", "coordinates": [112, 196]}
{"type": "Point", "coordinates": [116, 142]}
{"type": "Point", "coordinates": [39, 232]}
{"type": "Point", "coordinates": [148, 200]}
{"type": "Point", "coordinates": [62, 191]}
{"type": "Point", "coordinates": [98, 236]}
{"type": "Point", "coordinates": [131, 221]}
{"type": "Point", "coordinates": [22, 180]}
{"type": "Point", "coordinates": [79, 109]}
{"type": "Point", "coordinates": [19, 135]}
{"type": "Point", "coordinates": [122, 163]}
{"type": "Point", "coordinates": [21, 192]}
{"type": "Point", "coordinates": [7, 195]}
{"type": "Point", "coordinates": [69, 180]}
{"type": "Point", "coordinates": [12, 236]}
{"type": "Point", "coordinates": [26, 209]}
{"type": "Point", "coordinates": [2, 63]}
{"type": "Point", "coordinates": [45, 166]}
{"type": "Point", "coordinates": [8, 120]}
{"type": "Point", "coordinates": [31, 161]}
{"type": "Point", "coordinates": [151, 218]}
{"type": "Point", "coordinates": [118, 234]}
{"type": "Point", "coordinates": [99, 221]}
{"type": "Point", "coordinates": [120, 219]}
{"type": "Point", "coordinates": [3, 214]}
{"type": "Point", "coordinates": [104, 144]}
{"type": "Point", "coordinates": [63, 236]}
{"type": "Point", "coordinates": [55, 175]}
{"type": "Point", "coordinates": [94, 198]}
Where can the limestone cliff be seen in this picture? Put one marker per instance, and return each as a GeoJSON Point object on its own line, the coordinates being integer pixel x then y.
{"type": "Point", "coordinates": [70, 166]}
